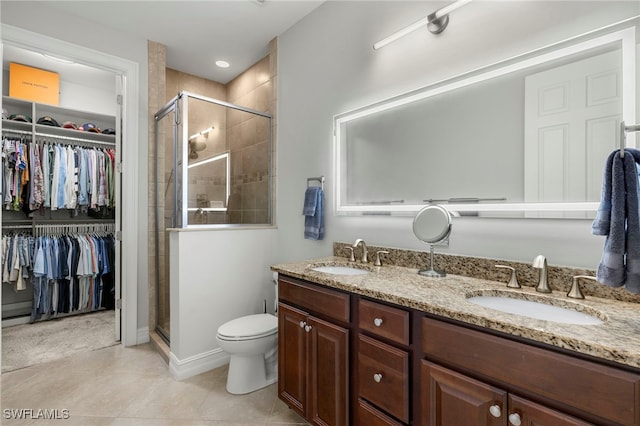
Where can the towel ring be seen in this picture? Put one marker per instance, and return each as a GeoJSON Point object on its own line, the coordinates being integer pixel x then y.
{"type": "Point", "coordinates": [316, 179]}
{"type": "Point", "coordinates": [623, 134]}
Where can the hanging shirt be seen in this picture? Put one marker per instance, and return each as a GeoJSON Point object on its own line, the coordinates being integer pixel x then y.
{"type": "Point", "coordinates": [71, 181]}
{"type": "Point", "coordinates": [55, 177]}
{"type": "Point", "coordinates": [37, 181]}
{"type": "Point", "coordinates": [93, 168]}
{"type": "Point", "coordinates": [46, 173]}
{"type": "Point", "coordinates": [102, 181]}
{"type": "Point", "coordinates": [62, 194]}
{"type": "Point", "coordinates": [83, 177]}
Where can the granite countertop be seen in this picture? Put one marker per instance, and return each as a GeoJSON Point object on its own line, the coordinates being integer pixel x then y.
{"type": "Point", "coordinates": [617, 339]}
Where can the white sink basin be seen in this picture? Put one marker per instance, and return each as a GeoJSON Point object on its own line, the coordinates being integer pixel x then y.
{"type": "Point", "coordinates": [340, 270]}
{"type": "Point", "coordinates": [537, 310]}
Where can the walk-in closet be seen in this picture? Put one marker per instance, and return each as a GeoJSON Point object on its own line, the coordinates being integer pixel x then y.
{"type": "Point", "coordinates": [60, 211]}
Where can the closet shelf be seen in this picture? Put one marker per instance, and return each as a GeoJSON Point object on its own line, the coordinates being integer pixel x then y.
{"type": "Point", "coordinates": [61, 114]}
{"type": "Point", "coordinates": [10, 127]}
{"type": "Point", "coordinates": [36, 110]}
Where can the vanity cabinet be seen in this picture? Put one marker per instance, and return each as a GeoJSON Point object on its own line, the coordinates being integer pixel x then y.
{"type": "Point", "coordinates": [515, 383]}
{"type": "Point", "coordinates": [384, 378]}
{"type": "Point", "coordinates": [349, 359]}
{"type": "Point", "coordinates": [454, 399]}
{"type": "Point", "coordinates": [313, 352]}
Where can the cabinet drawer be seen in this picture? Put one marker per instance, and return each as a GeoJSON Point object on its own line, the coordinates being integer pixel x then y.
{"type": "Point", "coordinates": [531, 413]}
{"type": "Point", "coordinates": [329, 303]}
{"type": "Point", "coordinates": [384, 321]}
{"type": "Point", "coordinates": [369, 416]}
{"type": "Point", "coordinates": [601, 391]}
{"type": "Point", "coordinates": [383, 376]}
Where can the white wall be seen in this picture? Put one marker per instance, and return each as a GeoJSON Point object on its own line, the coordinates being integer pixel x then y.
{"type": "Point", "coordinates": [327, 66]}
{"type": "Point", "coordinates": [91, 34]}
{"type": "Point", "coordinates": [216, 275]}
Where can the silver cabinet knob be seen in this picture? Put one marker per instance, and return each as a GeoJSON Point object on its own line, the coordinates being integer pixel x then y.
{"type": "Point", "coordinates": [377, 322]}
{"type": "Point", "coordinates": [302, 324]}
{"type": "Point", "coordinates": [377, 377]}
{"type": "Point", "coordinates": [495, 410]}
{"type": "Point", "coordinates": [514, 419]}
{"type": "Point", "coordinates": [307, 328]}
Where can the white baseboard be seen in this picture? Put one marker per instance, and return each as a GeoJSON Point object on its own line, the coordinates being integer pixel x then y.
{"type": "Point", "coordinates": [142, 336]}
{"type": "Point", "coordinates": [191, 366]}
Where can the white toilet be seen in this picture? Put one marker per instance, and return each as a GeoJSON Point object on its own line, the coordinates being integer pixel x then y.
{"type": "Point", "coordinates": [252, 344]}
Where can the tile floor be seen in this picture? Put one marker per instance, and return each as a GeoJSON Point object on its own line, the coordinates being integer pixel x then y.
{"type": "Point", "coordinates": [132, 387]}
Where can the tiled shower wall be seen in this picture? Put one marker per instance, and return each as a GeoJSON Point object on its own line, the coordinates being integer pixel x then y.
{"type": "Point", "coordinates": [248, 137]}
{"type": "Point", "coordinates": [156, 100]}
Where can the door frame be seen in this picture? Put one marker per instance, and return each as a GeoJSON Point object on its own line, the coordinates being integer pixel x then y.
{"type": "Point", "coordinates": [128, 72]}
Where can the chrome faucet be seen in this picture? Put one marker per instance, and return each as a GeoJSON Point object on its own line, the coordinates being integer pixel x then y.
{"type": "Point", "coordinates": [365, 255]}
{"type": "Point", "coordinates": [540, 262]}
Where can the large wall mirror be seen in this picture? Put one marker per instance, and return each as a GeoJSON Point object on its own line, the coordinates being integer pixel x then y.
{"type": "Point", "coordinates": [527, 137]}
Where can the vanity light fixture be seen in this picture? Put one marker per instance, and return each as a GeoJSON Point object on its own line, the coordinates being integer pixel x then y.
{"type": "Point", "coordinates": [435, 22]}
{"type": "Point", "coordinates": [202, 133]}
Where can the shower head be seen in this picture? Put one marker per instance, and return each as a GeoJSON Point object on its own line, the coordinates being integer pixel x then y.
{"type": "Point", "coordinates": [195, 147]}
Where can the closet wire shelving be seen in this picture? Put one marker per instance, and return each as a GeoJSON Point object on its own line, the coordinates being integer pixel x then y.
{"type": "Point", "coordinates": [47, 223]}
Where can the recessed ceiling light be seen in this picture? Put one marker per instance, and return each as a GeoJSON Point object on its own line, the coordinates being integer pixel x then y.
{"type": "Point", "coordinates": [222, 64]}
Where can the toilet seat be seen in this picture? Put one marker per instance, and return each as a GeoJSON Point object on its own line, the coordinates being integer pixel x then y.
{"type": "Point", "coordinates": [249, 327]}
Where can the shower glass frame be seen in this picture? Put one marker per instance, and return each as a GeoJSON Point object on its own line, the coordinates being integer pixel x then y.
{"type": "Point", "coordinates": [173, 190]}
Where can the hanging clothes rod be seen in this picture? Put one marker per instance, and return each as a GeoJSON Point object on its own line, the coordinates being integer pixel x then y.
{"type": "Point", "coordinates": [59, 137]}
{"type": "Point", "coordinates": [69, 138]}
{"type": "Point", "coordinates": [80, 228]}
{"type": "Point", "coordinates": [59, 228]}
{"type": "Point", "coordinates": [316, 179]}
{"type": "Point", "coordinates": [17, 132]}
{"type": "Point", "coordinates": [624, 129]}
{"type": "Point", "coordinates": [10, 227]}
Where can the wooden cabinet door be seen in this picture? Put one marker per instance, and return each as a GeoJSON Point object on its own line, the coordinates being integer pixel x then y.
{"type": "Point", "coordinates": [523, 412]}
{"type": "Point", "coordinates": [328, 395]}
{"type": "Point", "coordinates": [451, 399]}
{"type": "Point", "coordinates": [292, 358]}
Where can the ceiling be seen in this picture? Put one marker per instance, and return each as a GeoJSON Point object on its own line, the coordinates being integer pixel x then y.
{"type": "Point", "coordinates": [195, 33]}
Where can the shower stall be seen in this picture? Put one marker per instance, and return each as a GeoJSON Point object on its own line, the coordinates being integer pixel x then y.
{"type": "Point", "coordinates": [213, 168]}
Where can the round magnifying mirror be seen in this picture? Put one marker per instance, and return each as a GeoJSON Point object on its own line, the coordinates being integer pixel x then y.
{"type": "Point", "coordinates": [432, 225]}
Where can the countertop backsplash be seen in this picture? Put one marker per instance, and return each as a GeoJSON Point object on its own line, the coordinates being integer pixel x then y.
{"type": "Point", "coordinates": [560, 277]}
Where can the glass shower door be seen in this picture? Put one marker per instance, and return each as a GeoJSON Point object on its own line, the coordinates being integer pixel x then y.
{"type": "Point", "coordinates": [166, 181]}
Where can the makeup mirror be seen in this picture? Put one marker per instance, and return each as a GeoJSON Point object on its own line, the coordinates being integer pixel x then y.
{"type": "Point", "coordinates": [432, 225]}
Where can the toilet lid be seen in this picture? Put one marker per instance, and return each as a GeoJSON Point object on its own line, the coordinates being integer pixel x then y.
{"type": "Point", "coordinates": [251, 326]}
